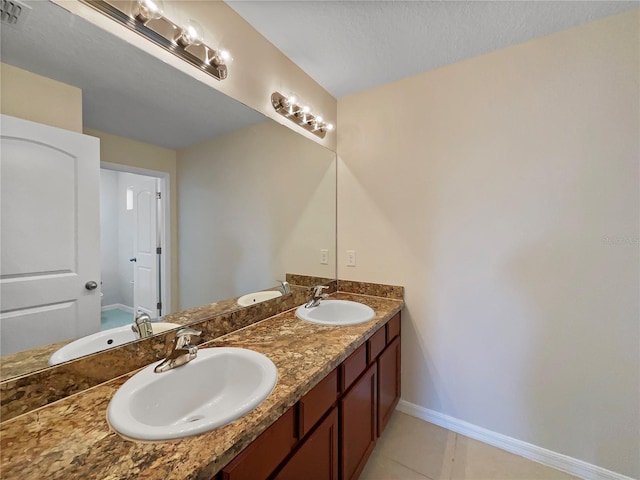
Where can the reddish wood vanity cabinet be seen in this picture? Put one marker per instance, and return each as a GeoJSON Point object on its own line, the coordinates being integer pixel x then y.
{"type": "Point", "coordinates": [266, 452]}
{"type": "Point", "coordinates": [317, 458]}
{"type": "Point", "coordinates": [317, 402]}
{"type": "Point", "coordinates": [393, 327]}
{"type": "Point", "coordinates": [352, 367]}
{"type": "Point", "coordinates": [358, 433]}
{"type": "Point", "coordinates": [376, 344]}
{"type": "Point", "coordinates": [331, 431]}
{"type": "Point", "coordinates": [388, 383]}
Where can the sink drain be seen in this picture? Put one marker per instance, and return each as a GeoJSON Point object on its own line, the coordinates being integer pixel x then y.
{"type": "Point", "coordinates": [194, 419]}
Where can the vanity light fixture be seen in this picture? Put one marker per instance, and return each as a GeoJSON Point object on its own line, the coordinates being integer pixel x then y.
{"type": "Point", "coordinates": [149, 10]}
{"type": "Point", "coordinates": [191, 34]}
{"type": "Point", "coordinates": [146, 17]}
{"type": "Point", "coordinates": [300, 114]}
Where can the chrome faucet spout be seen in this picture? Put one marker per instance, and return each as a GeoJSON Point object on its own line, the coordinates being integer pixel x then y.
{"type": "Point", "coordinates": [142, 326]}
{"type": "Point", "coordinates": [316, 296]}
{"type": "Point", "coordinates": [284, 287]}
{"type": "Point", "coordinates": [182, 351]}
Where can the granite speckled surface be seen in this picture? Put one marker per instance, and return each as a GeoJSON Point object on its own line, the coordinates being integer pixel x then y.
{"type": "Point", "coordinates": [373, 289]}
{"type": "Point", "coordinates": [309, 281]}
{"type": "Point", "coordinates": [71, 439]}
{"type": "Point", "coordinates": [24, 363]}
{"type": "Point", "coordinates": [22, 394]}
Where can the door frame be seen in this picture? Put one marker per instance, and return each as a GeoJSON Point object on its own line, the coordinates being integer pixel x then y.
{"type": "Point", "coordinates": [165, 227]}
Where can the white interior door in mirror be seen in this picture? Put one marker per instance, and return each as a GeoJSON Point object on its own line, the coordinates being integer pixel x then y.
{"type": "Point", "coordinates": [145, 275]}
{"type": "Point", "coordinates": [50, 241]}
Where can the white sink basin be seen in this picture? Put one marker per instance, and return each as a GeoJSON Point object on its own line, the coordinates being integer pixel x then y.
{"type": "Point", "coordinates": [336, 312]}
{"type": "Point", "coordinates": [114, 337]}
{"type": "Point", "coordinates": [220, 385]}
{"type": "Point", "coordinates": [257, 297]}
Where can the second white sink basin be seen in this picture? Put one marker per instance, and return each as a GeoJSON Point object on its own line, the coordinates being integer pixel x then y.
{"type": "Point", "coordinates": [257, 297]}
{"type": "Point", "coordinates": [220, 385]}
{"type": "Point", "coordinates": [114, 337]}
{"type": "Point", "coordinates": [336, 312]}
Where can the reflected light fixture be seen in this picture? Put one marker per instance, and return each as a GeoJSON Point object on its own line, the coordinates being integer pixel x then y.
{"type": "Point", "coordinates": [149, 10]}
{"type": "Point", "coordinates": [191, 34]}
{"type": "Point", "coordinates": [186, 41]}
{"type": "Point", "coordinates": [300, 114]}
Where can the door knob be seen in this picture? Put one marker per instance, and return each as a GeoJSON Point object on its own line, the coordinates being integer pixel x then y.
{"type": "Point", "coordinates": [134, 259]}
{"type": "Point", "coordinates": [91, 285]}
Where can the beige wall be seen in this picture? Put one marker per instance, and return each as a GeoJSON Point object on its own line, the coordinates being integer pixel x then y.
{"type": "Point", "coordinates": [503, 192]}
{"type": "Point", "coordinates": [39, 99]}
{"type": "Point", "coordinates": [258, 69]}
{"type": "Point", "coordinates": [131, 153]}
{"type": "Point", "coordinates": [254, 204]}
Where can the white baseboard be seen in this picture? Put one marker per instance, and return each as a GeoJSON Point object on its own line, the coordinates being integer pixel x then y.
{"type": "Point", "coordinates": [567, 464]}
{"type": "Point", "coordinates": [115, 306]}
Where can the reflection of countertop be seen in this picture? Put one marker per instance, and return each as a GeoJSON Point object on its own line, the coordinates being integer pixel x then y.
{"type": "Point", "coordinates": [23, 363]}
{"type": "Point", "coordinates": [71, 439]}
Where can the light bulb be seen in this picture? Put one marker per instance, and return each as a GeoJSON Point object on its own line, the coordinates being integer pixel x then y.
{"type": "Point", "coordinates": [330, 127]}
{"type": "Point", "coordinates": [192, 34]}
{"type": "Point", "coordinates": [292, 100]}
{"type": "Point", "coordinates": [226, 57]}
{"type": "Point", "coordinates": [306, 109]}
{"type": "Point", "coordinates": [220, 58]}
{"type": "Point", "coordinates": [150, 10]}
{"type": "Point", "coordinates": [318, 119]}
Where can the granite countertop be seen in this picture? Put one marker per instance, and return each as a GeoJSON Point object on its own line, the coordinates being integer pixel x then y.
{"type": "Point", "coordinates": [22, 363]}
{"type": "Point", "coordinates": [71, 438]}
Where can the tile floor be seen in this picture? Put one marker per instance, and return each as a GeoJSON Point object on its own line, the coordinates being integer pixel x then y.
{"type": "Point", "coordinates": [412, 449]}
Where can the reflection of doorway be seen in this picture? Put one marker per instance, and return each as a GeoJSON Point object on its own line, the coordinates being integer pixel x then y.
{"type": "Point", "coordinates": [132, 244]}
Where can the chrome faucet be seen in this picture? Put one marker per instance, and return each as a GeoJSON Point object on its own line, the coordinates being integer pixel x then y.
{"type": "Point", "coordinates": [182, 351]}
{"type": "Point", "coordinates": [316, 296]}
{"type": "Point", "coordinates": [285, 287]}
{"type": "Point", "coordinates": [142, 326]}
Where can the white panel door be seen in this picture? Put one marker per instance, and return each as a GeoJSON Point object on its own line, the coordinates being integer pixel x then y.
{"type": "Point", "coordinates": [49, 234]}
{"type": "Point", "coordinates": [145, 275]}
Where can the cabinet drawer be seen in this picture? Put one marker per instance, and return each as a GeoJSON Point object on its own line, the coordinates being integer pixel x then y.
{"type": "Point", "coordinates": [376, 344]}
{"type": "Point", "coordinates": [316, 403]}
{"type": "Point", "coordinates": [352, 367]}
{"type": "Point", "coordinates": [260, 458]}
{"type": "Point", "coordinates": [393, 327]}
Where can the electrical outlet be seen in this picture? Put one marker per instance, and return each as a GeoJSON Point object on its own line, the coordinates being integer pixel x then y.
{"type": "Point", "coordinates": [351, 258]}
{"type": "Point", "coordinates": [324, 256]}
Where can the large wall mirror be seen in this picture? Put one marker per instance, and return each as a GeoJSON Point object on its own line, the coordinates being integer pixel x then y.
{"type": "Point", "coordinates": [200, 199]}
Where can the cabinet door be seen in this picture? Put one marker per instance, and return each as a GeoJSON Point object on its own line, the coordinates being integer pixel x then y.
{"type": "Point", "coordinates": [388, 383]}
{"type": "Point", "coordinates": [358, 428]}
{"type": "Point", "coordinates": [317, 458]}
{"type": "Point", "coordinates": [260, 458]}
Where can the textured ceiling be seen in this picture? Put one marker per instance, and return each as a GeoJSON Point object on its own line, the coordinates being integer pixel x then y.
{"type": "Point", "coordinates": [349, 46]}
{"type": "Point", "coordinates": [125, 91]}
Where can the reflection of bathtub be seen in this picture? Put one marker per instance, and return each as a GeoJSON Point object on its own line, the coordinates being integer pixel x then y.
{"type": "Point", "coordinates": [104, 340]}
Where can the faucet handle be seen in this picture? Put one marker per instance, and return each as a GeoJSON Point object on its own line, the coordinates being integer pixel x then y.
{"type": "Point", "coordinates": [317, 290]}
{"type": "Point", "coordinates": [183, 336]}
